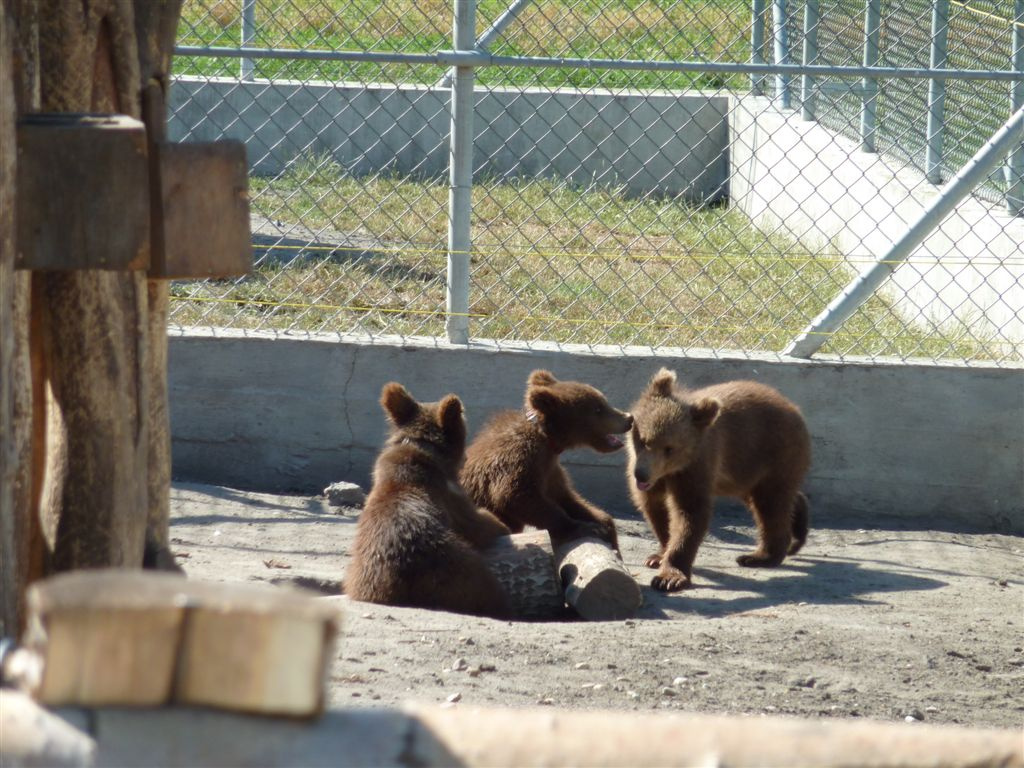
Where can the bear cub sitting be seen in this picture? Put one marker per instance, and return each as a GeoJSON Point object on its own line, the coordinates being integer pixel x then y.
{"type": "Point", "coordinates": [419, 536]}
{"type": "Point", "coordinates": [512, 466]}
{"type": "Point", "coordinates": [739, 439]}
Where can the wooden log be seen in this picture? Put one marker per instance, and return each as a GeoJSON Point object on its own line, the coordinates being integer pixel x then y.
{"type": "Point", "coordinates": [524, 564]}
{"type": "Point", "coordinates": [109, 637]}
{"type": "Point", "coordinates": [597, 584]}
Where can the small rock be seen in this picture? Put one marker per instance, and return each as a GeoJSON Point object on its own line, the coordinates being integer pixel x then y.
{"type": "Point", "coordinates": [632, 694]}
{"type": "Point", "coordinates": [459, 665]}
{"type": "Point", "coordinates": [545, 702]}
{"type": "Point", "coordinates": [487, 667]}
{"type": "Point", "coordinates": [680, 681]}
{"type": "Point", "coordinates": [931, 709]}
{"type": "Point", "coordinates": [454, 698]}
{"type": "Point", "coordinates": [474, 672]}
{"type": "Point", "coordinates": [666, 691]}
{"type": "Point", "coordinates": [583, 665]}
{"type": "Point", "coordinates": [983, 667]}
{"type": "Point", "coordinates": [914, 714]}
{"type": "Point", "coordinates": [598, 686]}
{"type": "Point", "coordinates": [1002, 583]}
{"type": "Point", "coordinates": [587, 686]}
{"type": "Point", "coordinates": [344, 494]}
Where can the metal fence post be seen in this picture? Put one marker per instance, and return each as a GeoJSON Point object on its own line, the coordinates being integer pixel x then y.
{"type": "Point", "coordinates": [1015, 162]}
{"type": "Point", "coordinates": [248, 66]}
{"type": "Point", "coordinates": [869, 103]}
{"type": "Point", "coordinates": [492, 32]}
{"type": "Point", "coordinates": [937, 93]}
{"type": "Point", "coordinates": [864, 285]}
{"type": "Point", "coordinates": [757, 44]}
{"type": "Point", "coordinates": [808, 92]}
{"type": "Point", "coordinates": [460, 175]}
{"type": "Point", "coordinates": [782, 54]}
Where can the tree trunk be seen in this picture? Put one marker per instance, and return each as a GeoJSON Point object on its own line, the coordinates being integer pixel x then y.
{"type": "Point", "coordinates": [85, 455]}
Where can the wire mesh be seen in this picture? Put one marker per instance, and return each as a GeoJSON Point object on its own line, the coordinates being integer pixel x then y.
{"type": "Point", "coordinates": [657, 205]}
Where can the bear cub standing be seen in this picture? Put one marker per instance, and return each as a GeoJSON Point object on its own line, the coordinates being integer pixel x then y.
{"type": "Point", "coordinates": [739, 439]}
{"type": "Point", "coordinates": [418, 539]}
{"type": "Point", "coordinates": [512, 466]}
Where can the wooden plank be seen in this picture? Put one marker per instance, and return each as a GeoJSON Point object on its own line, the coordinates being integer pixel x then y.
{"type": "Point", "coordinates": [82, 202]}
{"type": "Point", "coordinates": [117, 637]}
{"type": "Point", "coordinates": [204, 219]}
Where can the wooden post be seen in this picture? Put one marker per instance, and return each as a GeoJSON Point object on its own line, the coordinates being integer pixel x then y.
{"type": "Point", "coordinates": [596, 582]}
{"type": "Point", "coordinates": [84, 452]}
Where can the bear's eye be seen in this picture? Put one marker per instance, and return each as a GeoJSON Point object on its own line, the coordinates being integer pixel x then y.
{"type": "Point", "coordinates": [668, 450]}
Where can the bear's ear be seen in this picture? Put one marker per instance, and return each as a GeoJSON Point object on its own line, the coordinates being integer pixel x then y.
{"type": "Point", "coordinates": [398, 404]}
{"type": "Point", "coordinates": [542, 400]}
{"type": "Point", "coordinates": [541, 378]}
{"type": "Point", "coordinates": [663, 382]}
{"type": "Point", "coordinates": [449, 414]}
{"type": "Point", "coordinates": [704, 412]}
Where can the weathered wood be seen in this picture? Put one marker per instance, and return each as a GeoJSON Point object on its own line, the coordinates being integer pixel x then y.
{"type": "Point", "coordinates": [204, 216]}
{"type": "Point", "coordinates": [524, 565]}
{"type": "Point", "coordinates": [111, 637]}
{"type": "Point", "coordinates": [597, 584]}
{"type": "Point", "coordinates": [10, 557]}
{"type": "Point", "coordinates": [80, 201]}
{"type": "Point", "coordinates": [19, 487]}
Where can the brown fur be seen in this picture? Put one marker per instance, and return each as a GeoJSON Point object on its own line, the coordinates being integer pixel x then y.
{"type": "Point", "coordinates": [740, 439]}
{"type": "Point", "coordinates": [512, 466]}
{"type": "Point", "coordinates": [419, 535]}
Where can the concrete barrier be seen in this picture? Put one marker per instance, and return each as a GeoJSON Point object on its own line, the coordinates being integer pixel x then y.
{"type": "Point", "coordinates": [422, 736]}
{"type": "Point", "coordinates": [668, 143]}
{"type": "Point", "coordinates": [939, 445]}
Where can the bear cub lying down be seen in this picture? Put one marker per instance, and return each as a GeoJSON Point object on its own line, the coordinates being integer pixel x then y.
{"type": "Point", "coordinates": [512, 466]}
{"type": "Point", "coordinates": [739, 439]}
{"type": "Point", "coordinates": [419, 536]}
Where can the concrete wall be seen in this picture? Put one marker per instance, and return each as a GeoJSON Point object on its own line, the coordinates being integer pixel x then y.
{"type": "Point", "coordinates": [820, 188]}
{"type": "Point", "coordinates": [942, 445]}
{"type": "Point", "coordinates": [643, 141]}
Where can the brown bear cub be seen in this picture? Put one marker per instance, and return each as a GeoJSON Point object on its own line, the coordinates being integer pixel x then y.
{"type": "Point", "coordinates": [512, 466]}
{"type": "Point", "coordinates": [740, 439]}
{"type": "Point", "coordinates": [419, 536]}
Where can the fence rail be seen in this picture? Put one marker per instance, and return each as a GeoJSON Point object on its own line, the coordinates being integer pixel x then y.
{"type": "Point", "coordinates": [611, 174]}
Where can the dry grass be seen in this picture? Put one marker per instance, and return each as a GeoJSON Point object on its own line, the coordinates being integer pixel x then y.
{"type": "Point", "coordinates": [549, 262]}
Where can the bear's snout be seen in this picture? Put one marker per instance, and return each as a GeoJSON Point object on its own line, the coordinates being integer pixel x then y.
{"type": "Point", "coordinates": [643, 478]}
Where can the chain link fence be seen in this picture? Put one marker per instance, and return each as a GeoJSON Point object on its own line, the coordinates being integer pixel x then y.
{"type": "Point", "coordinates": [650, 173]}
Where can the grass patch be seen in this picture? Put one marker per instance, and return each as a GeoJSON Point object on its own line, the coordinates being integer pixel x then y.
{"type": "Point", "coordinates": [549, 262]}
{"type": "Point", "coordinates": [715, 30]}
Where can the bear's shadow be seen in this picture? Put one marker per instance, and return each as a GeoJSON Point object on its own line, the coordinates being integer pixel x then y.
{"type": "Point", "coordinates": [820, 582]}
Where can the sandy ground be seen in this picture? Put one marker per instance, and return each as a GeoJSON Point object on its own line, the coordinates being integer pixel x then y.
{"type": "Point", "coordinates": [868, 621]}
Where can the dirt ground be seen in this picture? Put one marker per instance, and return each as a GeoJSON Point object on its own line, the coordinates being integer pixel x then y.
{"type": "Point", "coordinates": [868, 621]}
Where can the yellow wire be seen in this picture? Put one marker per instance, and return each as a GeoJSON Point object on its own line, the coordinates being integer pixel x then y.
{"type": "Point", "coordinates": [694, 255]}
{"type": "Point", "coordinates": [482, 316]}
{"type": "Point", "coordinates": [980, 12]}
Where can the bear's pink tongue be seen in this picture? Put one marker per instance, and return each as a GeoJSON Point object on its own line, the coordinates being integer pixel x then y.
{"type": "Point", "coordinates": [613, 441]}
{"type": "Point", "coordinates": [641, 485]}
